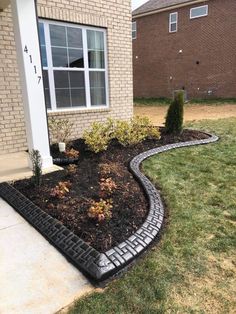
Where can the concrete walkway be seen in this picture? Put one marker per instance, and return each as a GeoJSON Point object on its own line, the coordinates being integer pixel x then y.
{"type": "Point", "coordinates": [34, 277]}
{"type": "Point", "coordinates": [15, 166]}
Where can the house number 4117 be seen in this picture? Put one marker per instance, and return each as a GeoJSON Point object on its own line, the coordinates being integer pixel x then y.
{"type": "Point", "coordinates": [39, 77]}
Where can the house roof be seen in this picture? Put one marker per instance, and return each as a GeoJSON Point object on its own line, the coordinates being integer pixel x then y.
{"type": "Point", "coordinates": [155, 5]}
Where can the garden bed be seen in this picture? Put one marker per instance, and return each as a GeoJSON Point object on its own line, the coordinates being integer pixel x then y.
{"type": "Point", "coordinates": [130, 205]}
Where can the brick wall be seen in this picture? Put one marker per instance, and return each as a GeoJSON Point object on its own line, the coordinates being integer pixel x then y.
{"type": "Point", "coordinates": [115, 16]}
{"type": "Point", "coordinates": [12, 127]}
{"type": "Point", "coordinates": [209, 41]}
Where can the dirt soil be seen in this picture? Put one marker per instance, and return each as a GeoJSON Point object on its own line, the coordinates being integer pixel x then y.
{"type": "Point", "coordinates": [130, 206]}
{"type": "Point", "coordinates": [192, 112]}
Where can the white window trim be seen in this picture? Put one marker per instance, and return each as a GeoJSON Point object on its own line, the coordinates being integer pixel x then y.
{"type": "Point", "coordinates": [196, 17]}
{"type": "Point", "coordinates": [171, 23]}
{"type": "Point", "coordinates": [134, 30]}
{"type": "Point", "coordinates": [86, 68]}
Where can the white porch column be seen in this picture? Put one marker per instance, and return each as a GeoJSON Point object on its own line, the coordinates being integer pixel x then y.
{"type": "Point", "coordinates": [28, 56]}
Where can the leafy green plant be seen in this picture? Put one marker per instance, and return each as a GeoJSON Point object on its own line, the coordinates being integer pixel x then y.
{"type": "Point", "coordinates": [61, 129]}
{"type": "Point", "coordinates": [101, 210]}
{"type": "Point", "coordinates": [127, 133]}
{"type": "Point", "coordinates": [98, 138]}
{"type": "Point", "coordinates": [132, 132]}
{"type": "Point", "coordinates": [36, 167]}
{"type": "Point", "coordinates": [174, 118]}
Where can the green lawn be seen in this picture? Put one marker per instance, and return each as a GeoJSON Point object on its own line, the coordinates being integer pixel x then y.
{"type": "Point", "coordinates": [193, 268]}
{"type": "Point", "coordinates": [138, 102]}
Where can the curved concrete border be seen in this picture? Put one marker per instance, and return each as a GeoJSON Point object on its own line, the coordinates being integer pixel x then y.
{"type": "Point", "coordinates": [99, 266]}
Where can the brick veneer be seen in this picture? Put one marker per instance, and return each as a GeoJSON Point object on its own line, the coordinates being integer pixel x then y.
{"type": "Point", "coordinates": [115, 15]}
{"type": "Point", "coordinates": [210, 40]}
{"type": "Point", "coordinates": [12, 126]}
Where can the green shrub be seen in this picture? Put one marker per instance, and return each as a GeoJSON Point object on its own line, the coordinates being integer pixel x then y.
{"type": "Point", "coordinates": [174, 118]}
{"type": "Point", "coordinates": [127, 133]}
{"type": "Point", "coordinates": [98, 138]}
{"type": "Point", "coordinates": [37, 167]}
{"type": "Point", "coordinates": [133, 132]}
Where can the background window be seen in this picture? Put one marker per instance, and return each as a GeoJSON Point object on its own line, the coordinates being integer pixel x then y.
{"type": "Point", "coordinates": [74, 65]}
{"type": "Point", "coordinates": [199, 12]}
{"type": "Point", "coordinates": [173, 22]}
{"type": "Point", "coordinates": [134, 30]}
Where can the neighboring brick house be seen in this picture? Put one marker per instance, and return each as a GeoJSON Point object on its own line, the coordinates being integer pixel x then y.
{"type": "Point", "coordinates": [86, 52]}
{"type": "Point", "coordinates": [187, 45]}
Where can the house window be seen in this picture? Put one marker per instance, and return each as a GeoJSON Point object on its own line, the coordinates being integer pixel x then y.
{"type": "Point", "coordinates": [173, 22]}
{"type": "Point", "coordinates": [134, 30]}
{"type": "Point", "coordinates": [74, 65]}
{"type": "Point", "coordinates": [199, 12]}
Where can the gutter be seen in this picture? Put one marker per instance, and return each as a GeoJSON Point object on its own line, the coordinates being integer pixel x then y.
{"type": "Point", "coordinates": [168, 8]}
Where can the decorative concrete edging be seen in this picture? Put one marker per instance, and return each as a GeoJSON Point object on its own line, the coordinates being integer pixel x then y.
{"type": "Point", "coordinates": [99, 266]}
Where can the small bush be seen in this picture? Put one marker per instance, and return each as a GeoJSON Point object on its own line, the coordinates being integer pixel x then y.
{"type": "Point", "coordinates": [127, 133]}
{"type": "Point", "coordinates": [61, 129]}
{"type": "Point", "coordinates": [101, 210]}
{"type": "Point", "coordinates": [133, 132]}
{"type": "Point", "coordinates": [61, 189]}
{"type": "Point", "coordinates": [174, 118]}
{"type": "Point", "coordinates": [98, 138]}
{"type": "Point", "coordinates": [37, 167]}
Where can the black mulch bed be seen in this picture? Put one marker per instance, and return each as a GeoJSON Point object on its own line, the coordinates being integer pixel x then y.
{"type": "Point", "coordinates": [130, 206]}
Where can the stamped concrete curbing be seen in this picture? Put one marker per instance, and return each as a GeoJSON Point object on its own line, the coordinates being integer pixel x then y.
{"type": "Point", "coordinates": [35, 278]}
{"type": "Point", "coordinates": [99, 266]}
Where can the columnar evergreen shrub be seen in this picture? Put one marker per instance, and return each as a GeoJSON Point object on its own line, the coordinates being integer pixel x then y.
{"type": "Point", "coordinates": [175, 114]}
{"type": "Point", "coordinates": [37, 167]}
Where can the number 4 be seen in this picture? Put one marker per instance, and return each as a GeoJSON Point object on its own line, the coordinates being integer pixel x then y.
{"type": "Point", "coordinates": [26, 49]}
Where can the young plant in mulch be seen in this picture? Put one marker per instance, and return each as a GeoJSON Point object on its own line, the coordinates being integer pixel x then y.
{"type": "Point", "coordinates": [71, 170]}
{"type": "Point", "coordinates": [37, 167]}
{"type": "Point", "coordinates": [107, 186]}
{"type": "Point", "coordinates": [72, 153]}
{"type": "Point", "coordinates": [101, 210]}
{"type": "Point", "coordinates": [175, 114]}
{"type": "Point", "coordinates": [60, 190]}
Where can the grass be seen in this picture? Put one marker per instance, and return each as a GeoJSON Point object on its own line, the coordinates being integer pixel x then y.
{"type": "Point", "coordinates": [138, 102]}
{"type": "Point", "coordinates": [193, 268]}
{"type": "Point", "coordinates": [152, 101]}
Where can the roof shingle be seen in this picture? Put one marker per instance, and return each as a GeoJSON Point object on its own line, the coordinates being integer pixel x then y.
{"type": "Point", "coordinates": [152, 5]}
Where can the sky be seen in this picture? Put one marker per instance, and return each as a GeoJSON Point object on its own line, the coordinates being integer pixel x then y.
{"type": "Point", "coordinates": [137, 3]}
